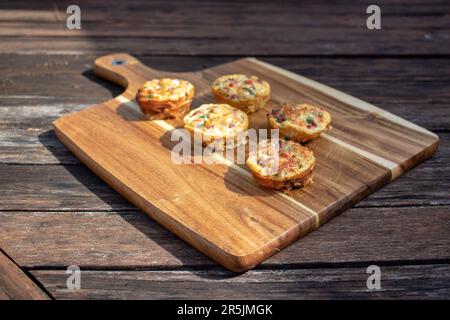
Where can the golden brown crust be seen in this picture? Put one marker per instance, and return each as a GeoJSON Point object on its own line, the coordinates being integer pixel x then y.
{"type": "Point", "coordinates": [247, 93]}
{"type": "Point", "coordinates": [281, 164]}
{"type": "Point", "coordinates": [299, 181]}
{"type": "Point", "coordinates": [299, 123]}
{"type": "Point", "coordinates": [160, 102]}
{"type": "Point", "coordinates": [168, 110]}
{"type": "Point", "coordinates": [218, 124]}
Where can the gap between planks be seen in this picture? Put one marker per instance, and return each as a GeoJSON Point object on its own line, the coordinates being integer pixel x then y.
{"type": "Point", "coordinates": [266, 267]}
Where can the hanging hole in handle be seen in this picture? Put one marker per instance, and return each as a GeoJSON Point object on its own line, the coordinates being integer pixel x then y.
{"type": "Point", "coordinates": [118, 62]}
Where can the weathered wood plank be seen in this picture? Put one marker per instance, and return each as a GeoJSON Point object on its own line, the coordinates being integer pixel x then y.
{"type": "Point", "coordinates": [26, 135]}
{"type": "Point", "coordinates": [56, 188]}
{"type": "Point", "coordinates": [47, 88]}
{"type": "Point", "coordinates": [397, 282]}
{"type": "Point", "coordinates": [16, 285]}
{"type": "Point", "coordinates": [399, 79]}
{"type": "Point", "coordinates": [401, 86]}
{"type": "Point", "coordinates": [132, 240]}
{"type": "Point", "coordinates": [229, 28]}
{"type": "Point", "coordinates": [47, 187]}
{"type": "Point", "coordinates": [160, 9]}
{"type": "Point", "coordinates": [69, 132]}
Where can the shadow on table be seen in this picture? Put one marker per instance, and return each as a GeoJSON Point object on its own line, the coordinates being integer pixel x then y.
{"type": "Point", "coordinates": [190, 258]}
{"type": "Point", "coordinates": [114, 89]}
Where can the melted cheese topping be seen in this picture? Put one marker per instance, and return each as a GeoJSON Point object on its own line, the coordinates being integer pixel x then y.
{"type": "Point", "coordinates": [217, 120]}
{"type": "Point", "coordinates": [309, 118]}
{"type": "Point", "coordinates": [167, 89]}
{"type": "Point", "coordinates": [280, 159]}
{"type": "Point", "coordinates": [240, 87]}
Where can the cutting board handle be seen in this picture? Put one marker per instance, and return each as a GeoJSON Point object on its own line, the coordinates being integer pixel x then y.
{"type": "Point", "coordinates": [119, 68]}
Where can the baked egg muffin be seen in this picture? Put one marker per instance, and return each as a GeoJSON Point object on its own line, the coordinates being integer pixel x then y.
{"type": "Point", "coordinates": [247, 93]}
{"type": "Point", "coordinates": [216, 123]}
{"type": "Point", "coordinates": [299, 122]}
{"type": "Point", "coordinates": [165, 98]}
{"type": "Point", "coordinates": [280, 164]}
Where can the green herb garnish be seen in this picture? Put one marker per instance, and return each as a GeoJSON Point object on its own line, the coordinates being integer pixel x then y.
{"type": "Point", "coordinates": [250, 91]}
{"type": "Point", "coordinates": [310, 119]}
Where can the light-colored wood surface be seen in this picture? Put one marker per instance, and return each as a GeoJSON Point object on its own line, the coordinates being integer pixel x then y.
{"type": "Point", "coordinates": [218, 208]}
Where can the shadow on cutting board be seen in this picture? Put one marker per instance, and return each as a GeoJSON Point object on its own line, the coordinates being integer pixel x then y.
{"type": "Point", "coordinates": [189, 257]}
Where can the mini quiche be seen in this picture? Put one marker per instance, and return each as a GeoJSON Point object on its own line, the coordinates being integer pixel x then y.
{"type": "Point", "coordinates": [247, 93]}
{"type": "Point", "coordinates": [301, 122]}
{"type": "Point", "coordinates": [217, 124]}
{"type": "Point", "coordinates": [165, 98]}
{"type": "Point", "coordinates": [280, 164]}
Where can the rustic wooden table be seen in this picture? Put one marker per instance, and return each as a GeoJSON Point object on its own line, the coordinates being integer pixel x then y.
{"type": "Point", "coordinates": [54, 212]}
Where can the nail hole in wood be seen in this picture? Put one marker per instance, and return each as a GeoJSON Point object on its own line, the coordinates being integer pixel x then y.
{"type": "Point", "coordinates": [118, 62]}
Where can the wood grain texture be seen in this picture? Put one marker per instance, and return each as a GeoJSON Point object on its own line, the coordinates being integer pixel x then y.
{"type": "Point", "coordinates": [16, 285]}
{"type": "Point", "coordinates": [76, 188]}
{"type": "Point", "coordinates": [37, 91]}
{"type": "Point", "coordinates": [230, 28]}
{"type": "Point", "coordinates": [397, 282]}
{"type": "Point", "coordinates": [48, 75]}
{"type": "Point", "coordinates": [26, 135]}
{"type": "Point", "coordinates": [255, 226]}
{"type": "Point", "coordinates": [129, 240]}
{"type": "Point", "coordinates": [65, 81]}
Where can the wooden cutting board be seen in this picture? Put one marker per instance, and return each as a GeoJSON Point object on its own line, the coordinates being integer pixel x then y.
{"type": "Point", "coordinates": [218, 208]}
